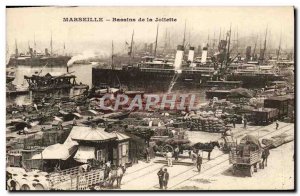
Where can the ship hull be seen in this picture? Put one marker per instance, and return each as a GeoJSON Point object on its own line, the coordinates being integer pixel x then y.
{"type": "Point", "coordinates": [150, 81]}
{"type": "Point", "coordinates": [60, 61]}
{"type": "Point", "coordinates": [255, 81]}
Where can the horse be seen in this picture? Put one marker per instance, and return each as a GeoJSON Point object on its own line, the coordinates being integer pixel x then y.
{"type": "Point", "coordinates": [116, 174]}
{"type": "Point", "coordinates": [207, 147]}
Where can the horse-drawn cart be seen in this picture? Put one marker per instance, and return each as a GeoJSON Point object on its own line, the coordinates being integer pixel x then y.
{"type": "Point", "coordinates": [166, 144]}
{"type": "Point", "coordinates": [246, 156]}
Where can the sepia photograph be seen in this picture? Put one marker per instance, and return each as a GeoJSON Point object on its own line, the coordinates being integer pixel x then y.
{"type": "Point", "coordinates": [150, 98]}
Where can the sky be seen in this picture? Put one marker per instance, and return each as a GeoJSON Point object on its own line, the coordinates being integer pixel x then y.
{"type": "Point", "coordinates": [26, 24]}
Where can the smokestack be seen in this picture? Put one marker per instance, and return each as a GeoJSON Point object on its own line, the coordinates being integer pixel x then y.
{"type": "Point", "coordinates": [191, 54]}
{"type": "Point", "coordinates": [178, 57]}
{"type": "Point", "coordinates": [204, 55]}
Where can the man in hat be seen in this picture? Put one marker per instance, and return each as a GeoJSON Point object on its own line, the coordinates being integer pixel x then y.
{"type": "Point", "coordinates": [165, 178]}
{"type": "Point", "coordinates": [160, 175]}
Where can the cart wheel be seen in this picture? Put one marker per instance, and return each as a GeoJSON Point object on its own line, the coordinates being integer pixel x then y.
{"type": "Point", "coordinates": [167, 148]}
{"type": "Point", "coordinates": [251, 171]}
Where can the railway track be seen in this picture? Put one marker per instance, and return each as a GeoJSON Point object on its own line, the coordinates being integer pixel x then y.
{"type": "Point", "coordinates": [207, 165]}
{"type": "Point", "coordinates": [223, 161]}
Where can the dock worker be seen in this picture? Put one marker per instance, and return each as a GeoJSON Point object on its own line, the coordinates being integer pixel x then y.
{"type": "Point", "coordinates": [277, 124]}
{"type": "Point", "coordinates": [199, 163]}
{"type": "Point", "coordinates": [165, 178]}
{"type": "Point", "coordinates": [233, 122]}
{"type": "Point", "coordinates": [160, 175]}
{"type": "Point", "coordinates": [169, 159]}
{"type": "Point", "coordinates": [176, 153]}
{"type": "Point", "coordinates": [245, 123]}
{"type": "Point", "coordinates": [147, 155]}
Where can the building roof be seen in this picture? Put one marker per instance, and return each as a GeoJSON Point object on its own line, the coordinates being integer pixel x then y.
{"type": "Point", "coordinates": [56, 151]}
{"type": "Point", "coordinates": [81, 133]}
{"type": "Point", "coordinates": [120, 136]}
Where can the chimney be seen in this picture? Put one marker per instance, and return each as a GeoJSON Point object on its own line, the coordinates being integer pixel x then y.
{"type": "Point", "coordinates": [178, 57]}
{"type": "Point", "coordinates": [204, 55]}
{"type": "Point", "coordinates": [191, 54]}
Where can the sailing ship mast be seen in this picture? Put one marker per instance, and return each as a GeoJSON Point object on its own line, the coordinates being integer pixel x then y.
{"type": "Point", "coordinates": [228, 49]}
{"type": "Point", "coordinates": [279, 48]}
{"type": "Point", "coordinates": [131, 47]}
{"type": "Point", "coordinates": [183, 42]}
{"type": "Point", "coordinates": [156, 41]}
{"type": "Point", "coordinates": [112, 55]}
{"type": "Point", "coordinates": [265, 46]}
{"type": "Point", "coordinates": [253, 54]}
{"type": "Point", "coordinates": [51, 44]}
{"type": "Point", "coordinates": [34, 44]}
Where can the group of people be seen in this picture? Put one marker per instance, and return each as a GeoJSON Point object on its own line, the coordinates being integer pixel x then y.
{"type": "Point", "coordinates": [163, 178]}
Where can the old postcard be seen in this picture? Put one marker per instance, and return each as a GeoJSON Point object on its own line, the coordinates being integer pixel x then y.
{"type": "Point", "coordinates": [150, 98]}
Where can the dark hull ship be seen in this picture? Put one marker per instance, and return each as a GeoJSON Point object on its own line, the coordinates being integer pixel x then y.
{"type": "Point", "coordinates": [157, 74]}
{"type": "Point", "coordinates": [183, 71]}
{"type": "Point", "coordinates": [35, 61]}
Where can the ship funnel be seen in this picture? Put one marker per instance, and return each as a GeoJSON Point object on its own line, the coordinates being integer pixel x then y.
{"type": "Point", "coordinates": [178, 57]}
{"type": "Point", "coordinates": [191, 54]}
{"type": "Point", "coordinates": [204, 55]}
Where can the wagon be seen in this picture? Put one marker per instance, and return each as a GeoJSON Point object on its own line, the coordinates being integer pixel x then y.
{"type": "Point", "coordinates": [264, 115]}
{"type": "Point", "coordinates": [166, 140]}
{"type": "Point", "coordinates": [166, 144]}
{"type": "Point", "coordinates": [246, 157]}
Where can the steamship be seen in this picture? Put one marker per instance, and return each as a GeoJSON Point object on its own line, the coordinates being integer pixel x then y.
{"type": "Point", "coordinates": [33, 59]}
{"type": "Point", "coordinates": [155, 74]}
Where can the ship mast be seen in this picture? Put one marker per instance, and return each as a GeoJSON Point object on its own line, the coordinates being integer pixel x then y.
{"type": "Point", "coordinates": [214, 40]}
{"type": "Point", "coordinates": [34, 42]}
{"type": "Point", "coordinates": [220, 35]}
{"type": "Point", "coordinates": [112, 55]}
{"type": "Point", "coordinates": [278, 53]}
{"type": "Point", "coordinates": [28, 46]}
{"type": "Point", "coordinates": [183, 42]}
{"type": "Point", "coordinates": [265, 46]}
{"type": "Point", "coordinates": [131, 46]}
{"type": "Point", "coordinates": [51, 44]}
{"type": "Point", "coordinates": [228, 49]}
{"type": "Point", "coordinates": [255, 46]}
{"type": "Point", "coordinates": [237, 39]}
{"type": "Point", "coordinates": [16, 50]}
{"type": "Point", "coordinates": [156, 40]}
